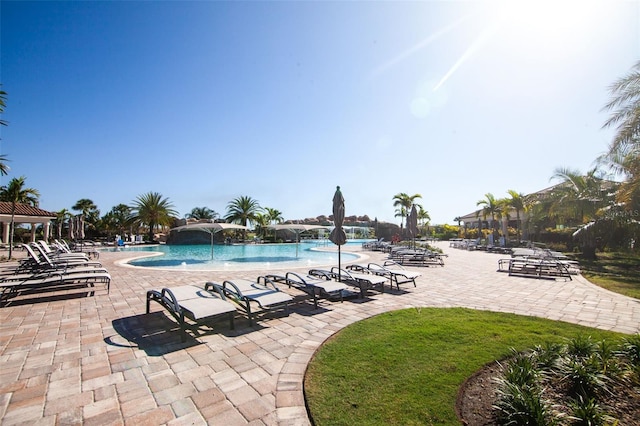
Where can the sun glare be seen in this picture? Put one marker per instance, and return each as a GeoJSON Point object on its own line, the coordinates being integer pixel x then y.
{"type": "Point", "coordinates": [545, 19]}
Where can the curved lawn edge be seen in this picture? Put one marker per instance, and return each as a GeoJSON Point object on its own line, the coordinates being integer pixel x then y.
{"type": "Point", "coordinates": [406, 366]}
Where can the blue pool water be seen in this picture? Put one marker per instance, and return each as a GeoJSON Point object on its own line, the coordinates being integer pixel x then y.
{"type": "Point", "coordinates": [312, 254]}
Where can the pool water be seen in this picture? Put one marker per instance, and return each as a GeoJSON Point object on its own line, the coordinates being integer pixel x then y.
{"type": "Point", "coordinates": [310, 254]}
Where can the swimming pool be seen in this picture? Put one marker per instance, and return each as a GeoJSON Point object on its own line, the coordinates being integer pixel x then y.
{"type": "Point", "coordinates": [241, 257]}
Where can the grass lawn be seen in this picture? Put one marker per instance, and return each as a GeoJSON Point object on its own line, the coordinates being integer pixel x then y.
{"type": "Point", "coordinates": [618, 272]}
{"type": "Point", "coordinates": [405, 367]}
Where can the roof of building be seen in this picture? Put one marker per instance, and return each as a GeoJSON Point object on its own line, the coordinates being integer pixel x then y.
{"type": "Point", "coordinates": [24, 210]}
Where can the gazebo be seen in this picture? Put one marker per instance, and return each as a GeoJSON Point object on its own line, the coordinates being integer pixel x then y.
{"type": "Point", "coordinates": [25, 214]}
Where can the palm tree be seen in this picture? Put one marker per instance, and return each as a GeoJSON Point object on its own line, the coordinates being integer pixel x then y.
{"type": "Point", "coordinates": [119, 217]}
{"type": "Point", "coordinates": [518, 203]}
{"type": "Point", "coordinates": [423, 217]}
{"type": "Point", "coordinates": [61, 218]}
{"type": "Point", "coordinates": [491, 207]}
{"type": "Point", "coordinates": [274, 215]}
{"type": "Point", "coordinates": [580, 199]}
{"type": "Point", "coordinates": [89, 210]}
{"type": "Point", "coordinates": [242, 210]}
{"type": "Point", "coordinates": [261, 221]}
{"type": "Point", "coordinates": [624, 150]}
{"type": "Point", "coordinates": [202, 213]}
{"type": "Point", "coordinates": [152, 210]}
{"type": "Point", "coordinates": [405, 202]}
{"type": "Point", "coordinates": [16, 193]}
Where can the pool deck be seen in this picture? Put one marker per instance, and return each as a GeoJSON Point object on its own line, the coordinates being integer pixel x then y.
{"type": "Point", "coordinates": [99, 359]}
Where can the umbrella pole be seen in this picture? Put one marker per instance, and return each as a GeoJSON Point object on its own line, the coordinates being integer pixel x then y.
{"type": "Point", "coordinates": [339, 266]}
{"type": "Point", "coordinates": [212, 246]}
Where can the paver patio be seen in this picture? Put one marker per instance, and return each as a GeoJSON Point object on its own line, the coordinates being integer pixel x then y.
{"type": "Point", "coordinates": [99, 359]}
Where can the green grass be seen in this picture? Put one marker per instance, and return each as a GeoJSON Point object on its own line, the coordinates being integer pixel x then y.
{"type": "Point", "coordinates": [618, 272]}
{"type": "Point", "coordinates": [405, 367]}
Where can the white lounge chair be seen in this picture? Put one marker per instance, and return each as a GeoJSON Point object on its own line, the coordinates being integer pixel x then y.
{"type": "Point", "coordinates": [262, 292]}
{"type": "Point", "coordinates": [192, 302]}
{"type": "Point", "coordinates": [313, 286]}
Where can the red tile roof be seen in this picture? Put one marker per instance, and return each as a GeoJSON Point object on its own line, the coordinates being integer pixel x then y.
{"type": "Point", "coordinates": [24, 210]}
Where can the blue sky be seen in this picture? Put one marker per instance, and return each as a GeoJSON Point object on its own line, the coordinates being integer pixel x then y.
{"type": "Point", "coordinates": [281, 101]}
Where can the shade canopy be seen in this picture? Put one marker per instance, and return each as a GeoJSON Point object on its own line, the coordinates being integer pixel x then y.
{"type": "Point", "coordinates": [297, 228]}
{"type": "Point", "coordinates": [210, 227]}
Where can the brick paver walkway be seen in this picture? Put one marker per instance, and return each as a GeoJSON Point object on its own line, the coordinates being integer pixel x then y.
{"type": "Point", "coordinates": [100, 359]}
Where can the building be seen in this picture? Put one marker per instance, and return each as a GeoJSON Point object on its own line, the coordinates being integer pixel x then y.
{"type": "Point", "coordinates": [25, 213]}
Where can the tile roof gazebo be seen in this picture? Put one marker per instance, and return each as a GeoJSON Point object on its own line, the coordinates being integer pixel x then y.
{"type": "Point", "coordinates": [25, 214]}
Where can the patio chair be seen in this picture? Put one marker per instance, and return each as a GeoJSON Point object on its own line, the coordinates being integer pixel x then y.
{"type": "Point", "coordinates": [391, 270]}
{"type": "Point", "coordinates": [13, 284]}
{"type": "Point", "coordinates": [313, 286]}
{"type": "Point", "coordinates": [58, 253]}
{"type": "Point", "coordinates": [363, 282]}
{"type": "Point", "coordinates": [262, 292]}
{"type": "Point", "coordinates": [41, 260]}
{"type": "Point", "coordinates": [195, 303]}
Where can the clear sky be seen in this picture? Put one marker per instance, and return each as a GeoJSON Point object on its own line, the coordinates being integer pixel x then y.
{"type": "Point", "coordinates": [281, 101]}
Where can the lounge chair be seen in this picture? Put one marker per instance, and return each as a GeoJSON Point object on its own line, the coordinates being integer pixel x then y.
{"type": "Point", "coordinates": [58, 253]}
{"type": "Point", "coordinates": [391, 270]}
{"type": "Point", "coordinates": [41, 260]}
{"type": "Point", "coordinates": [313, 286]}
{"type": "Point", "coordinates": [11, 285]}
{"type": "Point", "coordinates": [262, 292]}
{"type": "Point", "coordinates": [192, 302]}
{"type": "Point", "coordinates": [363, 282]}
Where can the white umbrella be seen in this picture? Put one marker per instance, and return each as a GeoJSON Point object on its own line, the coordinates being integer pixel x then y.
{"type": "Point", "coordinates": [210, 227]}
{"type": "Point", "coordinates": [297, 228]}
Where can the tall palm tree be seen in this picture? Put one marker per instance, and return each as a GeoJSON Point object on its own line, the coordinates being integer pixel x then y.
{"type": "Point", "coordinates": [405, 202]}
{"type": "Point", "coordinates": [153, 210]}
{"type": "Point", "coordinates": [243, 210]}
{"type": "Point", "coordinates": [423, 217]}
{"type": "Point", "coordinates": [16, 193]}
{"type": "Point", "coordinates": [518, 203]}
{"type": "Point", "coordinates": [490, 207]}
{"type": "Point", "coordinates": [261, 220]}
{"type": "Point", "coordinates": [274, 215]}
{"type": "Point", "coordinates": [202, 213]}
{"type": "Point", "coordinates": [624, 150]}
{"type": "Point", "coordinates": [89, 210]}
{"type": "Point", "coordinates": [61, 218]}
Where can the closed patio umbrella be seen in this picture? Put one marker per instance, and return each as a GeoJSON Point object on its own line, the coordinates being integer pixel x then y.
{"type": "Point", "coordinates": [72, 234]}
{"type": "Point", "coordinates": [210, 227]}
{"type": "Point", "coordinates": [338, 236]}
{"type": "Point", "coordinates": [80, 231]}
{"type": "Point", "coordinates": [412, 224]}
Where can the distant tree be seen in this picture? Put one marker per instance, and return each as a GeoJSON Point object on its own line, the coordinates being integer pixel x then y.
{"type": "Point", "coordinates": [405, 201]}
{"type": "Point", "coordinates": [199, 213]}
{"type": "Point", "coordinates": [152, 210]}
{"type": "Point", "coordinates": [490, 207]}
{"type": "Point", "coordinates": [16, 193]}
{"type": "Point", "coordinates": [242, 210]}
{"type": "Point", "coordinates": [423, 217]}
{"type": "Point", "coordinates": [118, 218]}
{"type": "Point", "coordinates": [61, 217]}
{"type": "Point", "coordinates": [89, 210]}
{"type": "Point", "coordinates": [274, 215]}
{"type": "Point", "coordinates": [261, 221]}
{"type": "Point", "coordinates": [518, 202]}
